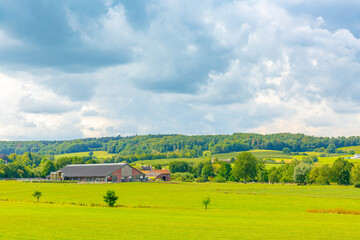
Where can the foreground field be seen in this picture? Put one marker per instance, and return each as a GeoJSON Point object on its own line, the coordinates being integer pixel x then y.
{"type": "Point", "coordinates": [174, 211]}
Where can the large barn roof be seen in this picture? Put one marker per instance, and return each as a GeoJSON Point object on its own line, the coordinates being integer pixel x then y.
{"type": "Point", "coordinates": [91, 170]}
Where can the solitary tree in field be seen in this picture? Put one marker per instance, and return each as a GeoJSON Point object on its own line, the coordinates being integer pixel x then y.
{"type": "Point", "coordinates": [110, 198]}
{"type": "Point", "coordinates": [37, 195]}
{"type": "Point", "coordinates": [206, 202]}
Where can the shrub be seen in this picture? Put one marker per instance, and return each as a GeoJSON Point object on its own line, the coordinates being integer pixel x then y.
{"type": "Point", "coordinates": [219, 179]}
{"type": "Point", "coordinates": [199, 179]}
{"type": "Point", "coordinates": [110, 198]}
{"type": "Point", "coordinates": [183, 177]}
{"type": "Point", "coordinates": [357, 184]}
{"type": "Point", "coordinates": [269, 161]}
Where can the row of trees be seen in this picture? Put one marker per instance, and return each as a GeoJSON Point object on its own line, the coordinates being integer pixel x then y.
{"type": "Point", "coordinates": [181, 145]}
{"type": "Point", "coordinates": [30, 165]}
{"type": "Point", "coordinates": [341, 172]}
{"type": "Point", "coordinates": [247, 168]}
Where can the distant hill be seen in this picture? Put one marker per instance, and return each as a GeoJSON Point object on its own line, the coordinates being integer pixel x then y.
{"type": "Point", "coordinates": [180, 145]}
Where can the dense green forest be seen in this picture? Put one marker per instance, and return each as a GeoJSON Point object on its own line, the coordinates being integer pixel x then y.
{"type": "Point", "coordinates": [179, 145]}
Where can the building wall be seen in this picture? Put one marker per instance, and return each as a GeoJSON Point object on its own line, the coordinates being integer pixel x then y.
{"type": "Point", "coordinates": [118, 175]}
{"type": "Point", "coordinates": [126, 174]}
{"type": "Point", "coordinates": [162, 175]}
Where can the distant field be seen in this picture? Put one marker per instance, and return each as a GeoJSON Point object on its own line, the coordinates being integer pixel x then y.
{"type": "Point", "coordinates": [276, 155]}
{"type": "Point", "coordinates": [353, 148]}
{"type": "Point", "coordinates": [168, 160]}
{"type": "Point", "coordinates": [98, 154]}
{"type": "Point", "coordinates": [257, 153]}
{"type": "Point", "coordinates": [264, 154]}
{"type": "Point", "coordinates": [174, 211]}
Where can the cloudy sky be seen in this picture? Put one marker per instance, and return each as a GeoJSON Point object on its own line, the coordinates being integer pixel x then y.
{"type": "Point", "coordinates": [78, 68]}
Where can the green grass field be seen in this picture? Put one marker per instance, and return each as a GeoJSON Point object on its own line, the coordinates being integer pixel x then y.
{"type": "Point", "coordinates": [98, 154]}
{"type": "Point", "coordinates": [174, 211]}
{"type": "Point", "coordinates": [352, 148]}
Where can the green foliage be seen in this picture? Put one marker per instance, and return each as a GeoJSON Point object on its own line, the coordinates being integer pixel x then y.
{"type": "Point", "coordinates": [91, 161]}
{"type": "Point", "coordinates": [301, 173]}
{"type": "Point", "coordinates": [219, 179]}
{"type": "Point", "coordinates": [320, 175]}
{"type": "Point", "coordinates": [180, 146]}
{"type": "Point", "coordinates": [182, 177]}
{"type": "Point", "coordinates": [286, 150]}
{"type": "Point", "coordinates": [206, 202]}
{"type": "Point", "coordinates": [178, 166]}
{"type": "Point", "coordinates": [198, 169]}
{"type": "Point", "coordinates": [158, 166]}
{"type": "Point", "coordinates": [245, 167]}
{"type": "Point", "coordinates": [344, 177]}
{"type": "Point", "coordinates": [357, 184]}
{"type": "Point", "coordinates": [37, 195]}
{"type": "Point", "coordinates": [355, 174]}
{"type": "Point", "coordinates": [310, 159]}
{"type": "Point", "coordinates": [207, 172]}
{"type": "Point", "coordinates": [47, 168]}
{"type": "Point", "coordinates": [274, 176]}
{"type": "Point", "coordinates": [331, 148]}
{"type": "Point", "coordinates": [110, 198]}
{"type": "Point", "coordinates": [341, 169]}
{"type": "Point", "coordinates": [225, 170]}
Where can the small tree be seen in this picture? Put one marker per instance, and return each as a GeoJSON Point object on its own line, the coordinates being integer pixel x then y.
{"type": "Point", "coordinates": [110, 198]}
{"type": "Point", "coordinates": [206, 202]}
{"type": "Point", "coordinates": [286, 150]}
{"type": "Point", "coordinates": [37, 195]}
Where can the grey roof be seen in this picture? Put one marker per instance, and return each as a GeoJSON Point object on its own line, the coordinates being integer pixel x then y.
{"type": "Point", "coordinates": [91, 170]}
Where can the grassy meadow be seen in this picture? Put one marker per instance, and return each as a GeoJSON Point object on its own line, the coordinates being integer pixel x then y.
{"type": "Point", "coordinates": [174, 211]}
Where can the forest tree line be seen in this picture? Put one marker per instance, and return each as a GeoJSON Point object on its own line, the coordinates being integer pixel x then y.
{"type": "Point", "coordinates": [172, 146]}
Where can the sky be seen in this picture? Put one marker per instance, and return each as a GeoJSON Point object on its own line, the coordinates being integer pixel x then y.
{"type": "Point", "coordinates": [77, 68]}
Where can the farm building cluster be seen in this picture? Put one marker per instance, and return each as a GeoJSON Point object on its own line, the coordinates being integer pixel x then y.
{"type": "Point", "coordinates": [107, 172]}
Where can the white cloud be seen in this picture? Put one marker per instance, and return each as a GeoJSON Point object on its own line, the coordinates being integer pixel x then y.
{"type": "Point", "coordinates": [198, 68]}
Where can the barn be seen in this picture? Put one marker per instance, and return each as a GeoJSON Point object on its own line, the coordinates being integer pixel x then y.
{"type": "Point", "coordinates": [107, 172]}
{"type": "Point", "coordinates": [163, 174]}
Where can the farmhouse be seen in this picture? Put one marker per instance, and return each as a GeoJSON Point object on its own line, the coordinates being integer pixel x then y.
{"type": "Point", "coordinates": [356, 156]}
{"type": "Point", "coordinates": [163, 174]}
{"type": "Point", "coordinates": [108, 172]}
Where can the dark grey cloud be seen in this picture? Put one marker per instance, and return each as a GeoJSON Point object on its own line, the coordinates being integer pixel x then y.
{"type": "Point", "coordinates": [48, 39]}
